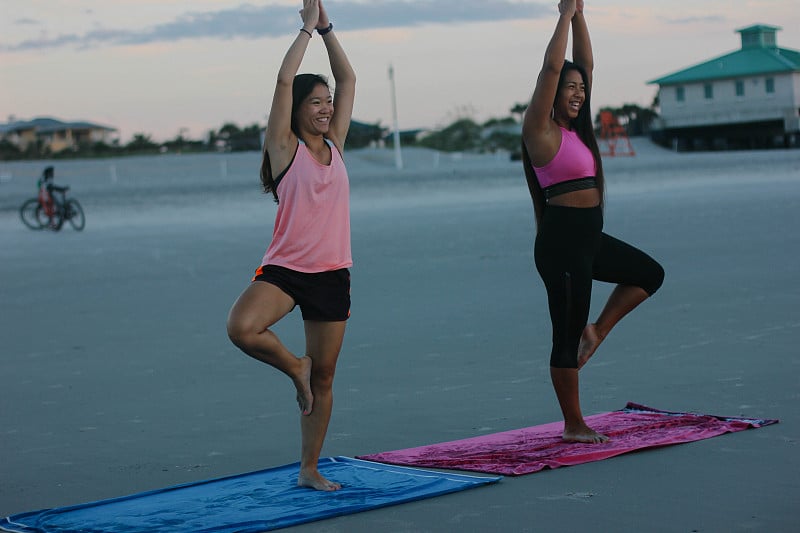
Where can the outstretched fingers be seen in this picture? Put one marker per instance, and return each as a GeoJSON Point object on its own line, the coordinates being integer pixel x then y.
{"type": "Point", "coordinates": [567, 7]}
{"type": "Point", "coordinates": [310, 13]}
{"type": "Point", "coordinates": [323, 21]}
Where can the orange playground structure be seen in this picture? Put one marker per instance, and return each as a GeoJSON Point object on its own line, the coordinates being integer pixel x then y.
{"type": "Point", "coordinates": [613, 139]}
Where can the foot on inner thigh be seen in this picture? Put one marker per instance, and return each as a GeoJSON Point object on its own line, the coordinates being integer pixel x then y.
{"type": "Point", "coordinates": [312, 479]}
{"type": "Point", "coordinates": [305, 399]}
{"type": "Point", "coordinates": [590, 340]}
{"type": "Point", "coordinates": [583, 433]}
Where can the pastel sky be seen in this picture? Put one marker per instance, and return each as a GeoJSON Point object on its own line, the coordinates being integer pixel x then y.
{"type": "Point", "coordinates": [162, 67]}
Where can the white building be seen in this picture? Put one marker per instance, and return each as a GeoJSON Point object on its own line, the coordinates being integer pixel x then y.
{"type": "Point", "coordinates": [749, 98]}
{"type": "Point", "coordinates": [49, 135]}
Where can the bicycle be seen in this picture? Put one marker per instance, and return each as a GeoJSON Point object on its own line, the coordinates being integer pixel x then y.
{"type": "Point", "coordinates": [45, 211]}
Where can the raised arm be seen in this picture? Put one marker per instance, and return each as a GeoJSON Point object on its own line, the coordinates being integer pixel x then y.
{"type": "Point", "coordinates": [279, 136]}
{"type": "Point", "coordinates": [345, 78]}
{"type": "Point", "coordinates": [537, 127]}
{"type": "Point", "coordinates": [581, 44]}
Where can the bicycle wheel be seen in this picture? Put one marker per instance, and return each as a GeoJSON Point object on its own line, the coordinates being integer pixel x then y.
{"type": "Point", "coordinates": [41, 217]}
{"type": "Point", "coordinates": [53, 223]}
{"type": "Point", "coordinates": [29, 214]}
{"type": "Point", "coordinates": [74, 213]}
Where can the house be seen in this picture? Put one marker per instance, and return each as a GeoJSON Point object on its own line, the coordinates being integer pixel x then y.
{"type": "Point", "coordinates": [52, 135]}
{"type": "Point", "coordinates": [749, 98]}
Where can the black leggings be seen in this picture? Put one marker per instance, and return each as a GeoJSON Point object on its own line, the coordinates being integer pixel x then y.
{"type": "Point", "coordinates": [570, 251]}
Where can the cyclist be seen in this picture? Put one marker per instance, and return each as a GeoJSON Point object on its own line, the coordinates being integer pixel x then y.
{"type": "Point", "coordinates": [52, 203]}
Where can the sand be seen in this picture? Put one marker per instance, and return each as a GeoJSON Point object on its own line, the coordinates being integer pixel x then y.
{"type": "Point", "coordinates": [118, 377]}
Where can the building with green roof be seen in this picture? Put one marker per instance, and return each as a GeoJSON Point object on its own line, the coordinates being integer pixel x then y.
{"type": "Point", "coordinates": [52, 135]}
{"type": "Point", "coordinates": [749, 98]}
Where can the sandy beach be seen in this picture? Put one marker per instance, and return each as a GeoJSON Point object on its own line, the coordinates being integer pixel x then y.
{"type": "Point", "coordinates": [118, 377]}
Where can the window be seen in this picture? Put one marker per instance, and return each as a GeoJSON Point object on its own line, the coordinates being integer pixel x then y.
{"type": "Point", "coordinates": [680, 94]}
{"type": "Point", "coordinates": [750, 40]}
{"type": "Point", "coordinates": [739, 88]}
{"type": "Point", "coordinates": [708, 90]}
{"type": "Point", "coordinates": [769, 84]}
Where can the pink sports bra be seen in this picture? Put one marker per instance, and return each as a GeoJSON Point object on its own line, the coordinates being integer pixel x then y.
{"type": "Point", "coordinates": [573, 161]}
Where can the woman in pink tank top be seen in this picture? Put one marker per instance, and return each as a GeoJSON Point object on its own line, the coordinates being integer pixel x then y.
{"type": "Point", "coordinates": [306, 263]}
{"type": "Point", "coordinates": [565, 178]}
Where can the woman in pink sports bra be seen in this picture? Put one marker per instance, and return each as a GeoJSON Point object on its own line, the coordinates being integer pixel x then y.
{"type": "Point", "coordinates": [306, 264]}
{"type": "Point", "coordinates": [565, 178]}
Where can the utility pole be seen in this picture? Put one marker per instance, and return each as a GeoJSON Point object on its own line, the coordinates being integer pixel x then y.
{"type": "Point", "coordinates": [398, 156]}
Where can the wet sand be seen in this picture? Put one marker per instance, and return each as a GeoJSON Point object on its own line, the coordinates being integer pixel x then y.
{"type": "Point", "coordinates": [118, 377]}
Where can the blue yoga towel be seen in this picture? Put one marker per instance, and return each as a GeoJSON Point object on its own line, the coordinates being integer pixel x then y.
{"type": "Point", "coordinates": [253, 502]}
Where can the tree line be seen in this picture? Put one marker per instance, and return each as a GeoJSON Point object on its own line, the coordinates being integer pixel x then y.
{"type": "Point", "coordinates": [461, 135]}
{"type": "Point", "coordinates": [504, 133]}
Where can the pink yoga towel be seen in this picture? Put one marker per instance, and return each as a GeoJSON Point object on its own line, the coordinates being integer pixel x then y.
{"type": "Point", "coordinates": [528, 450]}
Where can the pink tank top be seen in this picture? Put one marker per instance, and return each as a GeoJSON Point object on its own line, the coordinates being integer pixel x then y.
{"type": "Point", "coordinates": [312, 226]}
{"type": "Point", "coordinates": [573, 161]}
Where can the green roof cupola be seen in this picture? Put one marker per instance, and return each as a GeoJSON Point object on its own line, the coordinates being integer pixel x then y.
{"type": "Point", "coordinates": [758, 56]}
{"type": "Point", "coordinates": [759, 36]}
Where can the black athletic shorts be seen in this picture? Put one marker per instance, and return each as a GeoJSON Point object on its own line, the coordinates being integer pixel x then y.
{"type": "Point", "coordinates": [322, 296]}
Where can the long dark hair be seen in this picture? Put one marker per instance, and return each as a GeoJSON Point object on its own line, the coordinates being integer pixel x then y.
{"type": "Point", "coordinates": [582, 124]}
{"type": "Point", "coordinates": [302, 86]}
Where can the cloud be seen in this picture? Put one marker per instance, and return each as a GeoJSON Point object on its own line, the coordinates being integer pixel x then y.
{"type": "Point", "coordinates": [251, 22]}
{"type": "Point", "coordinates": [693, 20]}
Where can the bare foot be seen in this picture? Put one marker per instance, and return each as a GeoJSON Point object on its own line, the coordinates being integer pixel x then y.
{"type": "Point", "coordinates": [590, 340]}
{"type": "Point", "coordinates": [314, 480]}
{"type": "Point", "coordinates": [584, 434]}
{"type": "Point", "coordinates": [305, 399]}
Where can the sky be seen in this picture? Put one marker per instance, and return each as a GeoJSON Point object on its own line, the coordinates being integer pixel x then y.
{"type": "Point", "coordinates": [184, 67]}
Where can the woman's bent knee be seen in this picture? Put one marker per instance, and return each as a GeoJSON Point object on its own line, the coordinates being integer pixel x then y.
{"type": "Point", "coordinates": [656, 279]}
{"type": "Point", "coordinates": [239, 333]}
{"type": "Point", "coordinates": [235, 335]}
